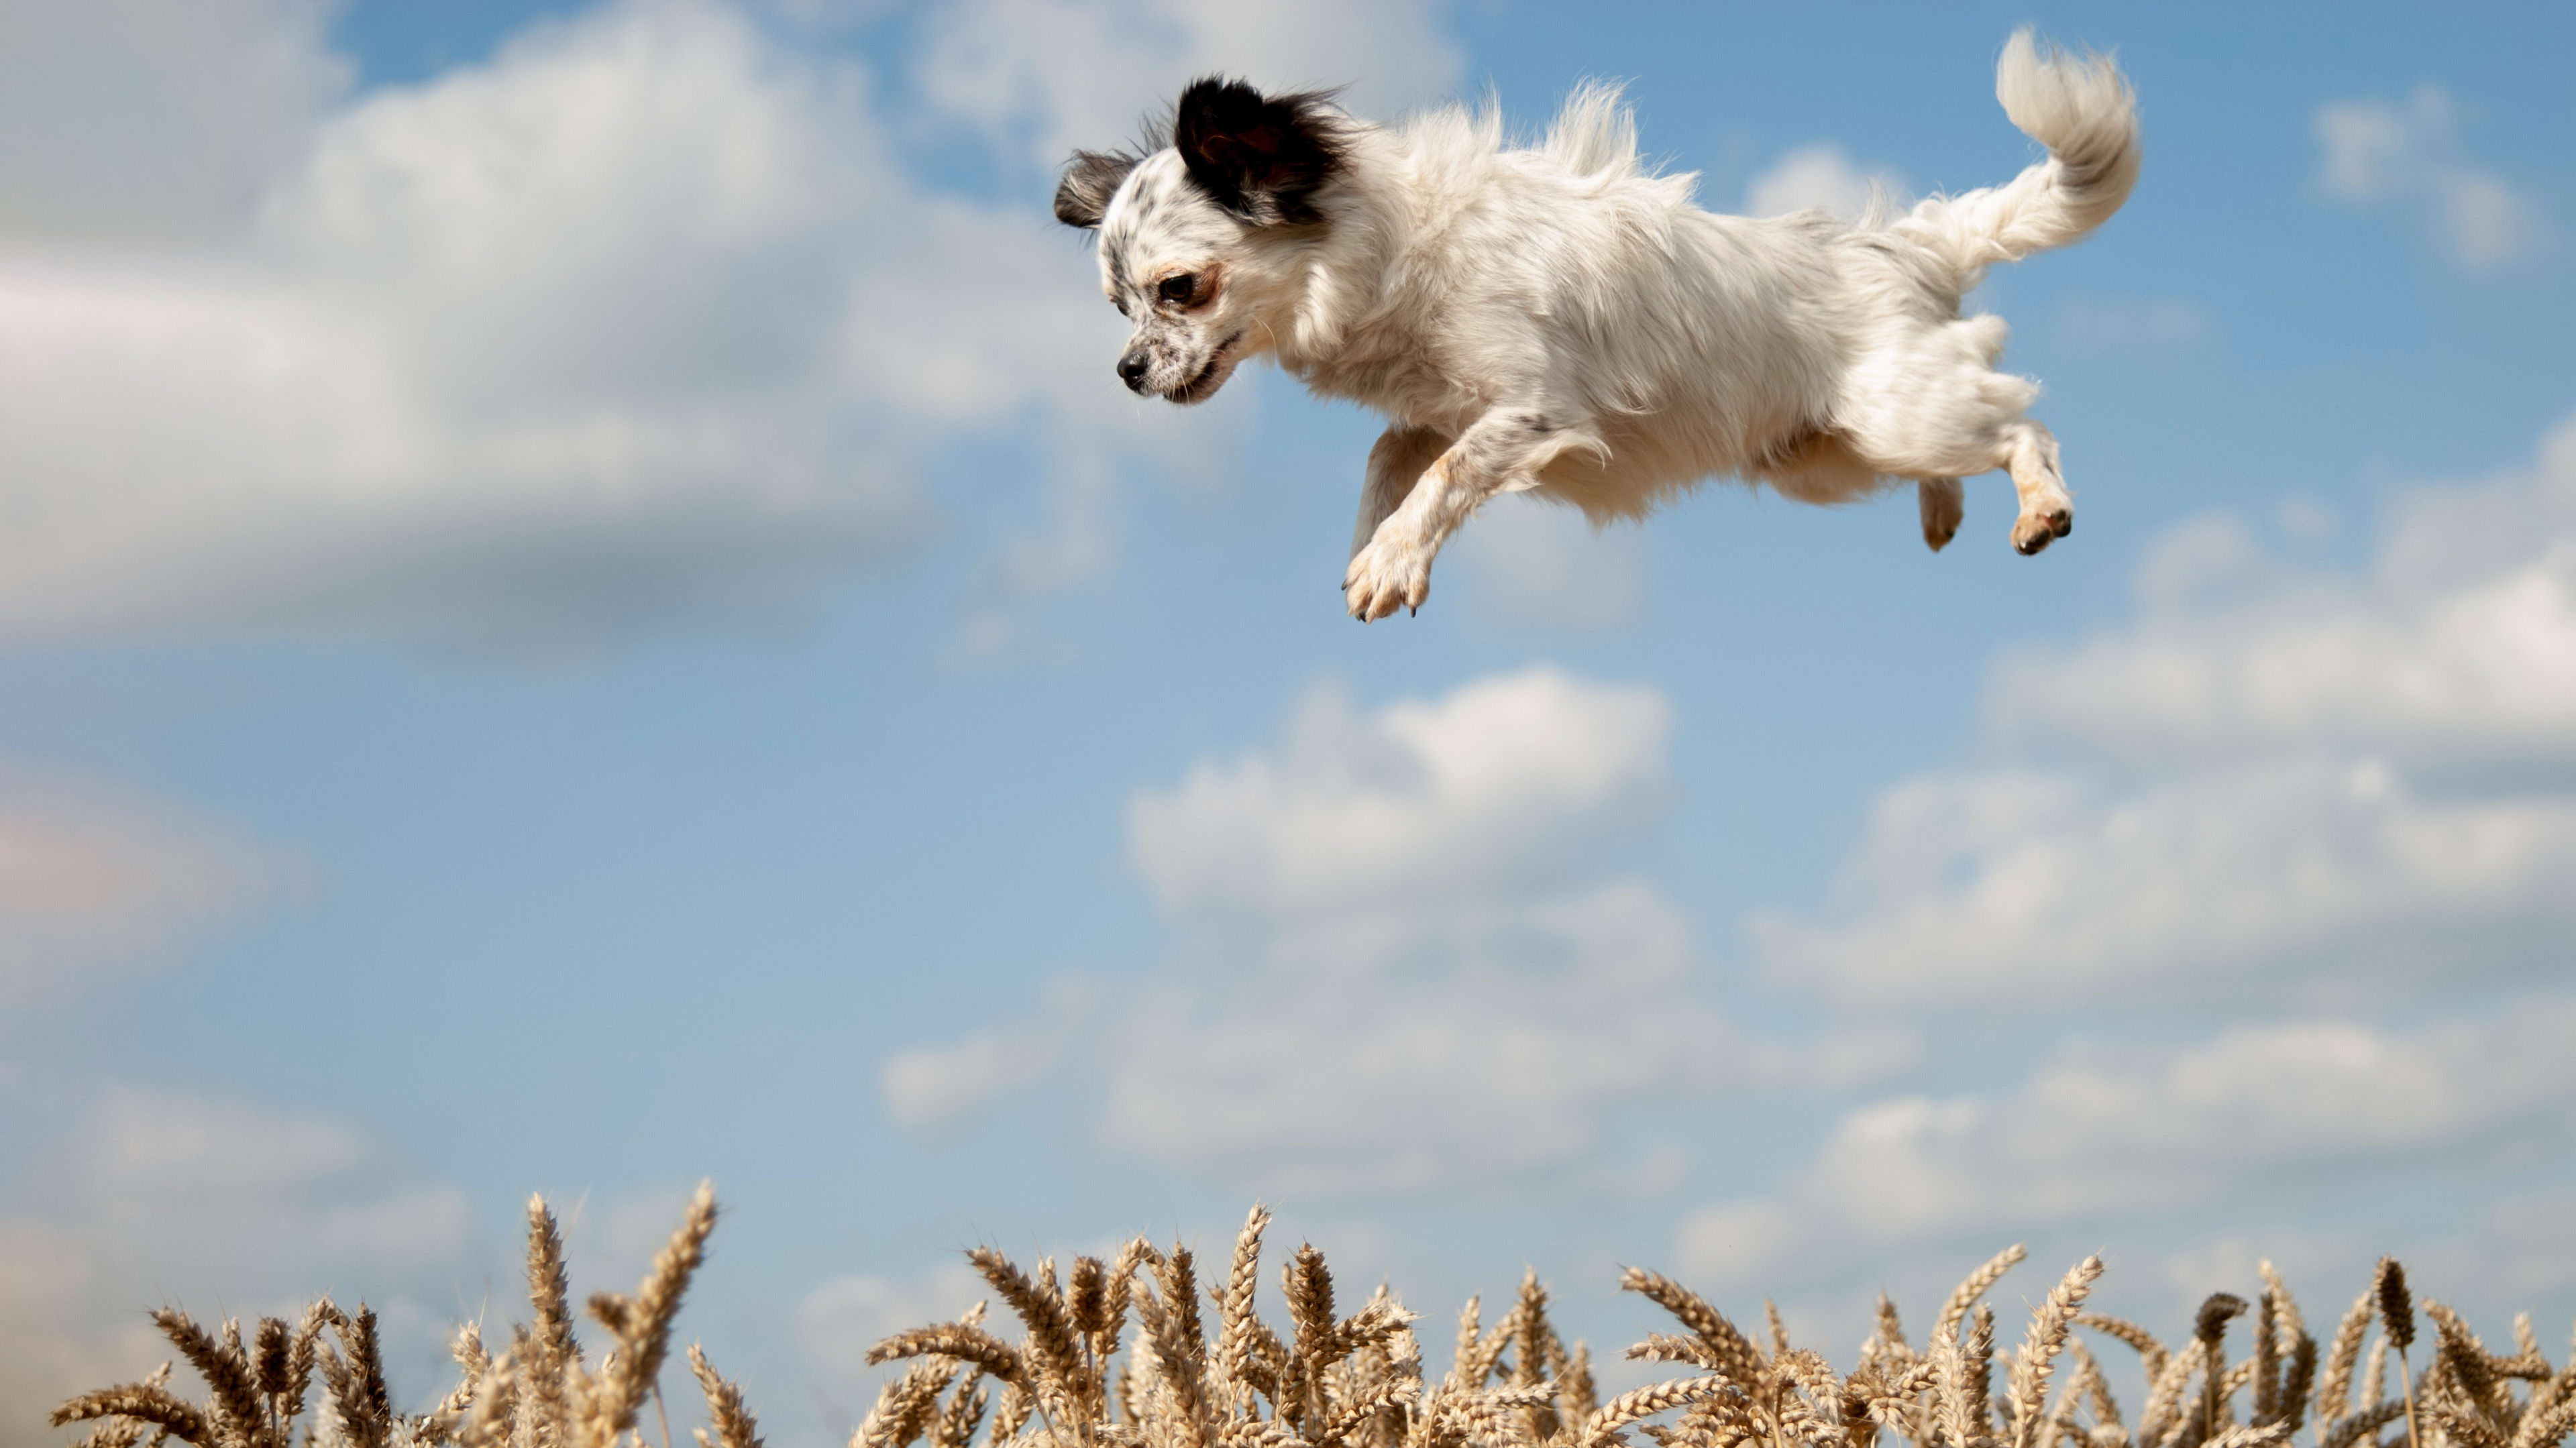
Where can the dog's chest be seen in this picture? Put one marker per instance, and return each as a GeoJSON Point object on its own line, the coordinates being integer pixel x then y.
{"type": "Point", "coordinates": [1403, 376]}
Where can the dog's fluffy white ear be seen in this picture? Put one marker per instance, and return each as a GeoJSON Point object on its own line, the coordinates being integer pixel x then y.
{"type": "Point", "coordinates": [1261, 157]}
{"type": "Point", "coordinates": [1090, 179]}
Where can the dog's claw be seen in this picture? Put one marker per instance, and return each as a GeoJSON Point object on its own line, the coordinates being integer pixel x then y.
{"type": "Point", "coordinates": [2035, 530]}
{"type": "Point", "coordinates": [1386, 576]}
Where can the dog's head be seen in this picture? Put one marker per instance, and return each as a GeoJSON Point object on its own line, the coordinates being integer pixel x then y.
{"type": "Point", "coordinates": [1183, 228]}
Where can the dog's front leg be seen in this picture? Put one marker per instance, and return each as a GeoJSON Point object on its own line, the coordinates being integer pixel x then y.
{"type": "Point", "coordinates": [1503, 449]}
{"type": "Point", "coordinates": [1394, 465]}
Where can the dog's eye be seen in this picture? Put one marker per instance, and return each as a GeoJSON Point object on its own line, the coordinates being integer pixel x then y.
{"type": "Point", "coordinates": [1178, 288]}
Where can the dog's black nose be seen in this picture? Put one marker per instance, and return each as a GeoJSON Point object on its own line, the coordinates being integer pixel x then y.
{"type": "Point", "coordinates": [1131, 370]}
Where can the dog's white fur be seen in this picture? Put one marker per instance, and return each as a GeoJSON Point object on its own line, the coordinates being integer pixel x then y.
{"type": "Point", "coordinates": [1558, 318]}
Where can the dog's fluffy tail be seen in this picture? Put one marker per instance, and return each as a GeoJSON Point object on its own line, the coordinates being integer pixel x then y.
{"type": "Point", "coordinates": [2082, 109]}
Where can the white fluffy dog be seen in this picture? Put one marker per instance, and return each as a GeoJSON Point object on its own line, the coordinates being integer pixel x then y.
{"type": "Point", "coordinates": [1559, 319]}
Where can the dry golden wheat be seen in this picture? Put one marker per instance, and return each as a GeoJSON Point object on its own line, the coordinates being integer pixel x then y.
{"type": "Point", "coordinates": [1076, 1377]}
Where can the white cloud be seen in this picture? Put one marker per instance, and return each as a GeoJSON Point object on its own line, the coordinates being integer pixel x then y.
{"type": "Point", "coordinates": [1046, 76]}
{"type": "Point", "coordinates": [1426, 799]}
{"type": "Point", "coordinates": [1412, 949]}
{"type": "Point", "coordinates": [2029, 889]}
{"type": "Point", "coordinates": [136, 118]}
{"type": "Point", "coordinates": [2134, 321]}
{"type": "Point", "coordinates": [838, 1321]}
{"type": "Point", "coordinates": [930, 1087]}
{"type": "Point", "coordinates": [1396, 1054]}
{"type": "Point", "coordinates": [2100, 1134]}
{"type": "Point", "coordinates": [93, 882]}
{"type": "Point", "coordinates": [2458, 643]}
{"type": "Point", "coordinates": [2334, 796]}
{"type": "Point", "coordinates": [1533, 567]}
{"type": "Point", "coordinates": [638, 325]}
{"type": "Point", "coordinates": [217, 1206]}
{"type": "Point", "coordinates": [2381, 151]}
{"type": "Point", "coordinates": [2286, 780]}
{"type": "Point", "coordinates": [1821, 176]}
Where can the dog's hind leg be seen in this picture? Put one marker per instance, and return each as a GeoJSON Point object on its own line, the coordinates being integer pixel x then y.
{"type": "Point", "coordinates": [1944, 504]}
{"type": "Point", "coordinates": [1504, 449]}
{"type": "Point", "coordinates": [2047, 514]}
{"type": "Point", "coordinates": [1930, 405]}
{"type": "Point", "coordinates": [1394, 466]}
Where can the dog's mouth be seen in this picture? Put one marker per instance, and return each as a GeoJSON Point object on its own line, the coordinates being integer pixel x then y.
{"type": "Point", "coordinates": [1204, 383]}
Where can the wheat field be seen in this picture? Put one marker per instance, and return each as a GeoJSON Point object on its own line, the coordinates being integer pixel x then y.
{"type": "Point", "coordinates": [1139, 1352]}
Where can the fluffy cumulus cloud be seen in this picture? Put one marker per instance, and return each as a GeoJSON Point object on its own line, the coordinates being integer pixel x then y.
{"type": "Point", "coordinates": [1413, 947]}
{"type": "Point", "coordinates": [209, 102]}
{"type": "Point", "coordinates": [1822, 177]}
{"type": "Point", "coordinates": [642, 323]}
{"type": "Point", "coordinates": [152, 1196]}
{"type": "Point", "coordinates": [2030, 890]}
{"type": "Point", "coordinates": [1047, 76]}
{"type": "Point", "coordinates": [95, 882]}
{"type": "Point", "coordinates": [2410, 151]}
{"type": "Point", "coordinates": [2101, 1135]}
{"type": "Point", "coordinates": [2458, 644]}
{"type": "Point", "coordinates": [1426, 800]}
{"type": "Point", "coordinates": [2314, 821]}
{"type": "Point", "coordinates": [2315, 780]}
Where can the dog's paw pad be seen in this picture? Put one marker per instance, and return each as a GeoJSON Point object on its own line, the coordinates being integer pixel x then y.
{"type": "Point", "coordinates": [2044, 523]}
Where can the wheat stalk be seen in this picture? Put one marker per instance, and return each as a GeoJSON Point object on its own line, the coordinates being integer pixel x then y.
{"type": "Point", "coordinates": [2397, 1319]}
{"type": "Point", "coordinates": [2048, 1329]}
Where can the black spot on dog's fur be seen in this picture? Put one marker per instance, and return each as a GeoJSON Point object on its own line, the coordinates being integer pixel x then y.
{"type": "Point", "coordinates": [1263, 158]}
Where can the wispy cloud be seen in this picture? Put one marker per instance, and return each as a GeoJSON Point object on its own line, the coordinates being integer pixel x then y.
{"type": "Point", "coordinates": [2134, 321]}
{"type": "Point", "coordinates": [221, 1206]}
{"type": "Point", "coordinates": [96, 882]}
{"type": "Point", "coordinates": [1531, 567]}
{"type": "Point", "coordinates": [2410, 152]}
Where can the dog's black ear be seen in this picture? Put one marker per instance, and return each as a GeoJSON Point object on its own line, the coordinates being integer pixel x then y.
{"type": "Point", "coordinates": [1090, 179]}
{"type": "Point", "coordinates": [1261, 157]}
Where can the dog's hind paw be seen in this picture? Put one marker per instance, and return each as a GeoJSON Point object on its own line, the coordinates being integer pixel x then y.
{"type": "Point", "coordinates": [2036, 530]}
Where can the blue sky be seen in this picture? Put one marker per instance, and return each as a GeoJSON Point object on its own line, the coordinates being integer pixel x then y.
{"type": "Point", "coordinates": [580, 608]}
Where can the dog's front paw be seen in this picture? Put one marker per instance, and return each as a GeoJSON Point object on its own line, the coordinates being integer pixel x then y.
{"type": "Point", "coordinates": [2042, 525]}
{"type": "Point", "coordinates": [1392, 572]}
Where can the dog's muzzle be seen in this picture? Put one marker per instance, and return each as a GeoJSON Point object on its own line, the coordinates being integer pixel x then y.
{"type": "Point", "coordinates": [1132, 369]}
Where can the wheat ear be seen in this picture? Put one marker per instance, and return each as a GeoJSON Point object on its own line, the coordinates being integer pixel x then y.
{"type": "Point", "coordinates": [2048, 1329]}
{"type": "Point", "coordinates": [1979, 1282]}
{"type": "Point", "coordinates": [2397, 1318]}
{"type": "Point", "coordinates": [1735, 1354]}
